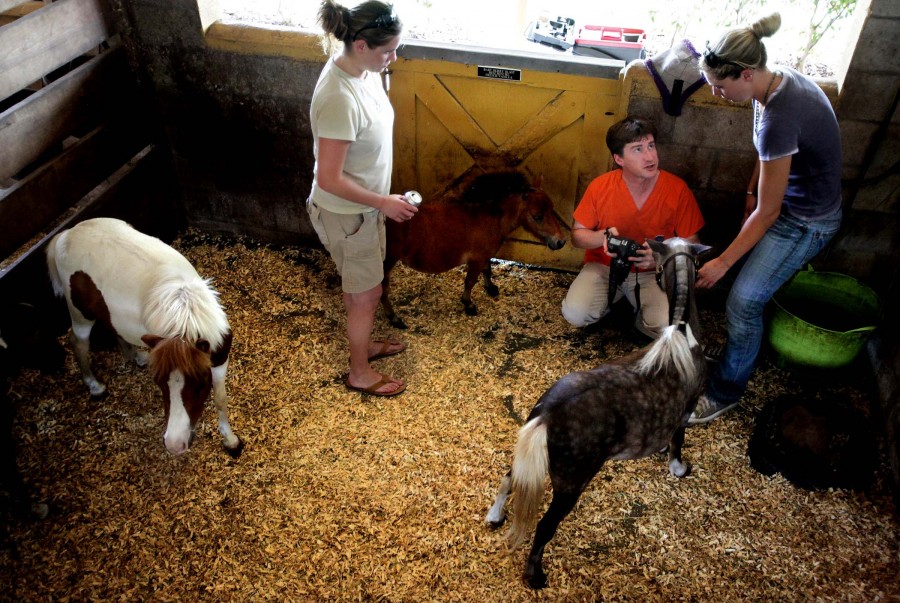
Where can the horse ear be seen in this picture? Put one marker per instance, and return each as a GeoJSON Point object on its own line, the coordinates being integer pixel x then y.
{"type": "Point", "coordinates": [151, 340]}
{"type": "Point", "coordinates": [202, 345]}
{"type": "Point", "coordinates": [699, 249]}
{"type": "Point", "coordinates": [537, 181]}
{"type": "Point", "coordinates": [657, 246]}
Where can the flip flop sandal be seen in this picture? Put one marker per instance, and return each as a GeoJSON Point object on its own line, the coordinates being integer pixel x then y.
{"type": "Point", "coordinates": [384, 351]}
{"type": "Point", "coordinates": [372, 390]}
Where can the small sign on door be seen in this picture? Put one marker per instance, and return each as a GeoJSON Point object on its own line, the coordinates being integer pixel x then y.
{"type": "Point", "coordinates": [500, 73]}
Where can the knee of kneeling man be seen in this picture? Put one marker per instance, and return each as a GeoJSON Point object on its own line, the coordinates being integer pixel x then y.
{"type": "Point", "coordinates": [652, 328]}
{"type": "Point", "coordinates": [575, 318]}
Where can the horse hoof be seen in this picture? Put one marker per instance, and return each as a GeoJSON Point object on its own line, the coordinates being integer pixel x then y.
{"type": "Point", "coordinates": [397, 323]}
{"type": "Point", "coordinates": [492, 291]}
{"type": "Point", "coordinates": [39, 510]}
{"type": "Point", "coordinates": [495, 524]}
{"type": "Point", "coordinates": [100, 396]}
{"type": "Point", "coordinates": [536, 582]}
{"type": "Point", "coordinates": [471, 311]}
{"type": "Point", "coordinates": [680, 470]}
{"type": "Point", "coordinates": [236, 451]}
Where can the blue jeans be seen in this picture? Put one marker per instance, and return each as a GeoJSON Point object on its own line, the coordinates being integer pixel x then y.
{"type": "Point", "coordinates": [788, 245]}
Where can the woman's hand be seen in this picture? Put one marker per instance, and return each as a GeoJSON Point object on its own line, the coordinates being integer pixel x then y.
{"type": "Point", "coordinates": [398, 210]}
{"type": "Point", "coordinates": [710, 273]}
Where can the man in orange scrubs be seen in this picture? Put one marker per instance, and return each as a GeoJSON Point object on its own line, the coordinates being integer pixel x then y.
{"type": "Point", "coordinates": [638, 202]}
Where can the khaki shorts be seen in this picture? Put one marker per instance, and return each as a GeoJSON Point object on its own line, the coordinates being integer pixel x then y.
{"type": "Point", "coordinates": [356, 243]}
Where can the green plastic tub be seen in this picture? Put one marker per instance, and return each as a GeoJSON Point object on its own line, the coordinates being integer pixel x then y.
{"type": "Point", "coordinates": [822, 319]}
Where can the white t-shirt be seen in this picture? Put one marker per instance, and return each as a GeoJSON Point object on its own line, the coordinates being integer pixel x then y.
{"type": "Point", "coordinates": [355, 109]}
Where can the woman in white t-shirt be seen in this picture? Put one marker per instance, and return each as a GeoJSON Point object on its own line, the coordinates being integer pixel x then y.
{"type": "Point", "coordinates": [352, 125]}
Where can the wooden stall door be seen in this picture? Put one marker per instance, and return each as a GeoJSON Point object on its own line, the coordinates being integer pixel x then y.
{"type": "Point", "coordinates": [449, 121]}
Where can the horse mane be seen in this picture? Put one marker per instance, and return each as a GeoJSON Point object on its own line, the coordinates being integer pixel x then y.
{"type": "Point", "coordinates": [489, 189]}
{"type": "Point", "coordinates": [671, 350]}
{"type": "Point", "coordinates": [185, 307]}
{"type": "Point", "coordinates": [175, 353]}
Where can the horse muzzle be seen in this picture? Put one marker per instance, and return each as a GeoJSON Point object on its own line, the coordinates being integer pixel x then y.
{"type": "Point", "coordinates": [178, 445]}
{"type": "Point", "coordinates": [555, 244]}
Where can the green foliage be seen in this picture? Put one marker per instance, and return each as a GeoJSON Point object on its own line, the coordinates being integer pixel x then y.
{"type": "Point", "coordinates": [824, 15]}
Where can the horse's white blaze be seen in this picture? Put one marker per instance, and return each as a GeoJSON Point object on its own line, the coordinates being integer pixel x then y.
{"type": "Point", "coordinates": [178, 430]}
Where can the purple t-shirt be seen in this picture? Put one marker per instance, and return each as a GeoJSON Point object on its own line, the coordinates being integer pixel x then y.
{"type": "Point", "coordinates": [798, 121]}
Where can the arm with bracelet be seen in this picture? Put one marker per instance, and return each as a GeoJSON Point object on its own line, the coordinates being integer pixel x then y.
{"type": "Point", "coordinates": [750, 199]}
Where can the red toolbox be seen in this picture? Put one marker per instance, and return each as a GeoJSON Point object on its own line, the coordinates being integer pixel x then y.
{"type": "Point", "coordinates": [605, 42]}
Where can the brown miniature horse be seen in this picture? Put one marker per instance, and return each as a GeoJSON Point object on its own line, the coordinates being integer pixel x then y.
{"type": "Point", "coordinates": [470, 231]}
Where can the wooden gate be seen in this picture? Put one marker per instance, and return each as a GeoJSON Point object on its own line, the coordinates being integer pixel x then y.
{"type": "Point", "coordinates": [481, 111]}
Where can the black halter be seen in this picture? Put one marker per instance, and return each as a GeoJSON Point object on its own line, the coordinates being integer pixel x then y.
{"type": "Point", "coordinates": [661, 267]}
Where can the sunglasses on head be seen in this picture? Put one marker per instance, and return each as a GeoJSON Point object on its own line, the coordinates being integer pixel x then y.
{"type": "Point", "coordinates": [383, 21]}
{"type": "Point", "coordinates": [714, 61]}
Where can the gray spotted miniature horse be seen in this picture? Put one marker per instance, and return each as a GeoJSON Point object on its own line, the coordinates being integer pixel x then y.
{"type": "Point", "coordinates": [626, 409]}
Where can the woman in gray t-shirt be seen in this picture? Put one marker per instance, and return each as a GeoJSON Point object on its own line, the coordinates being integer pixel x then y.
{"type": "Point", "coordinates": [793, 203]}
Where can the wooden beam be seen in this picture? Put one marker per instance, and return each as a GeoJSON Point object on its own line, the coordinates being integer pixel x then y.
{"type": "Point", "coordinates": [17, 12]}
{"type": "Point", "coordinates": [96, 202]}
{"type": "Point", "coordinates": [10, 5]}
{"type": "Point", "coordinates": [79, 100]}
{"type": "Point", "coordinates": [40, 198]}
{"type": "Point", "coordinates": [30, 52]}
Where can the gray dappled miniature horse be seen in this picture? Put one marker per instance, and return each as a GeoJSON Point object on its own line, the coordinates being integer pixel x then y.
{"type": "Point", "coordinates": [625, 409]}
{"type": "Point", "coordinates": [469, 231]}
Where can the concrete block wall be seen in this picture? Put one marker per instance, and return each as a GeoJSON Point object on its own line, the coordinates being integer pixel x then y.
{"type": "Point", "coordinates": [870, 128]}
{"type": "Point", "coordinates": [870, 125]}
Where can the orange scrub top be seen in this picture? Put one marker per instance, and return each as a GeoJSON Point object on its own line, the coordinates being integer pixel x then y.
{"type": "Point", "coordinates": [670, 210]}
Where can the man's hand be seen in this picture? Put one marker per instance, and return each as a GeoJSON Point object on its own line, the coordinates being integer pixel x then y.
{"type": "Point", "coordinates": [644, 260]}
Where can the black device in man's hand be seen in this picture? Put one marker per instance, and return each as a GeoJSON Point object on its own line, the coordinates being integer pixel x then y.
{"type": "Point", "coordinates": [620, 265]}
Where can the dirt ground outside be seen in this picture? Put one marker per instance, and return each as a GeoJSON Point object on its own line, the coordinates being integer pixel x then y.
{"type": "Point", "coordinates": [342, 497]}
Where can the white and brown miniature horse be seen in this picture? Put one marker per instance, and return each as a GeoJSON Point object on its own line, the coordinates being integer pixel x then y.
{"type": "Point", "coordinates": [626, 409]}
{"type": "Point", "coordinates": [149, 295]}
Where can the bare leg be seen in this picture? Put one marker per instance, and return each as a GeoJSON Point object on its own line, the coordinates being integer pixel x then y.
{"type": "Point", "coordinates": [133, 353]}
{"type": "Point", "coordinates": [231, 442]}
{"type": "Point", "coordinates": [360, 321]}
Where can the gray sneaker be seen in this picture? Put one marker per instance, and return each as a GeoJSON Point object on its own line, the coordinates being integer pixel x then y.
{"type": "Point", "coordinates": [708, 409]}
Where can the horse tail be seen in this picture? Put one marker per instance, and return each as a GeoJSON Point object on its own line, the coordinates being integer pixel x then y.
{"type": "Point", "coordinates": [529, 474]}
{"type": "Point", "coordinates": [673, 348]}
{"type": "Point", "coordinates": [53, 269]}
